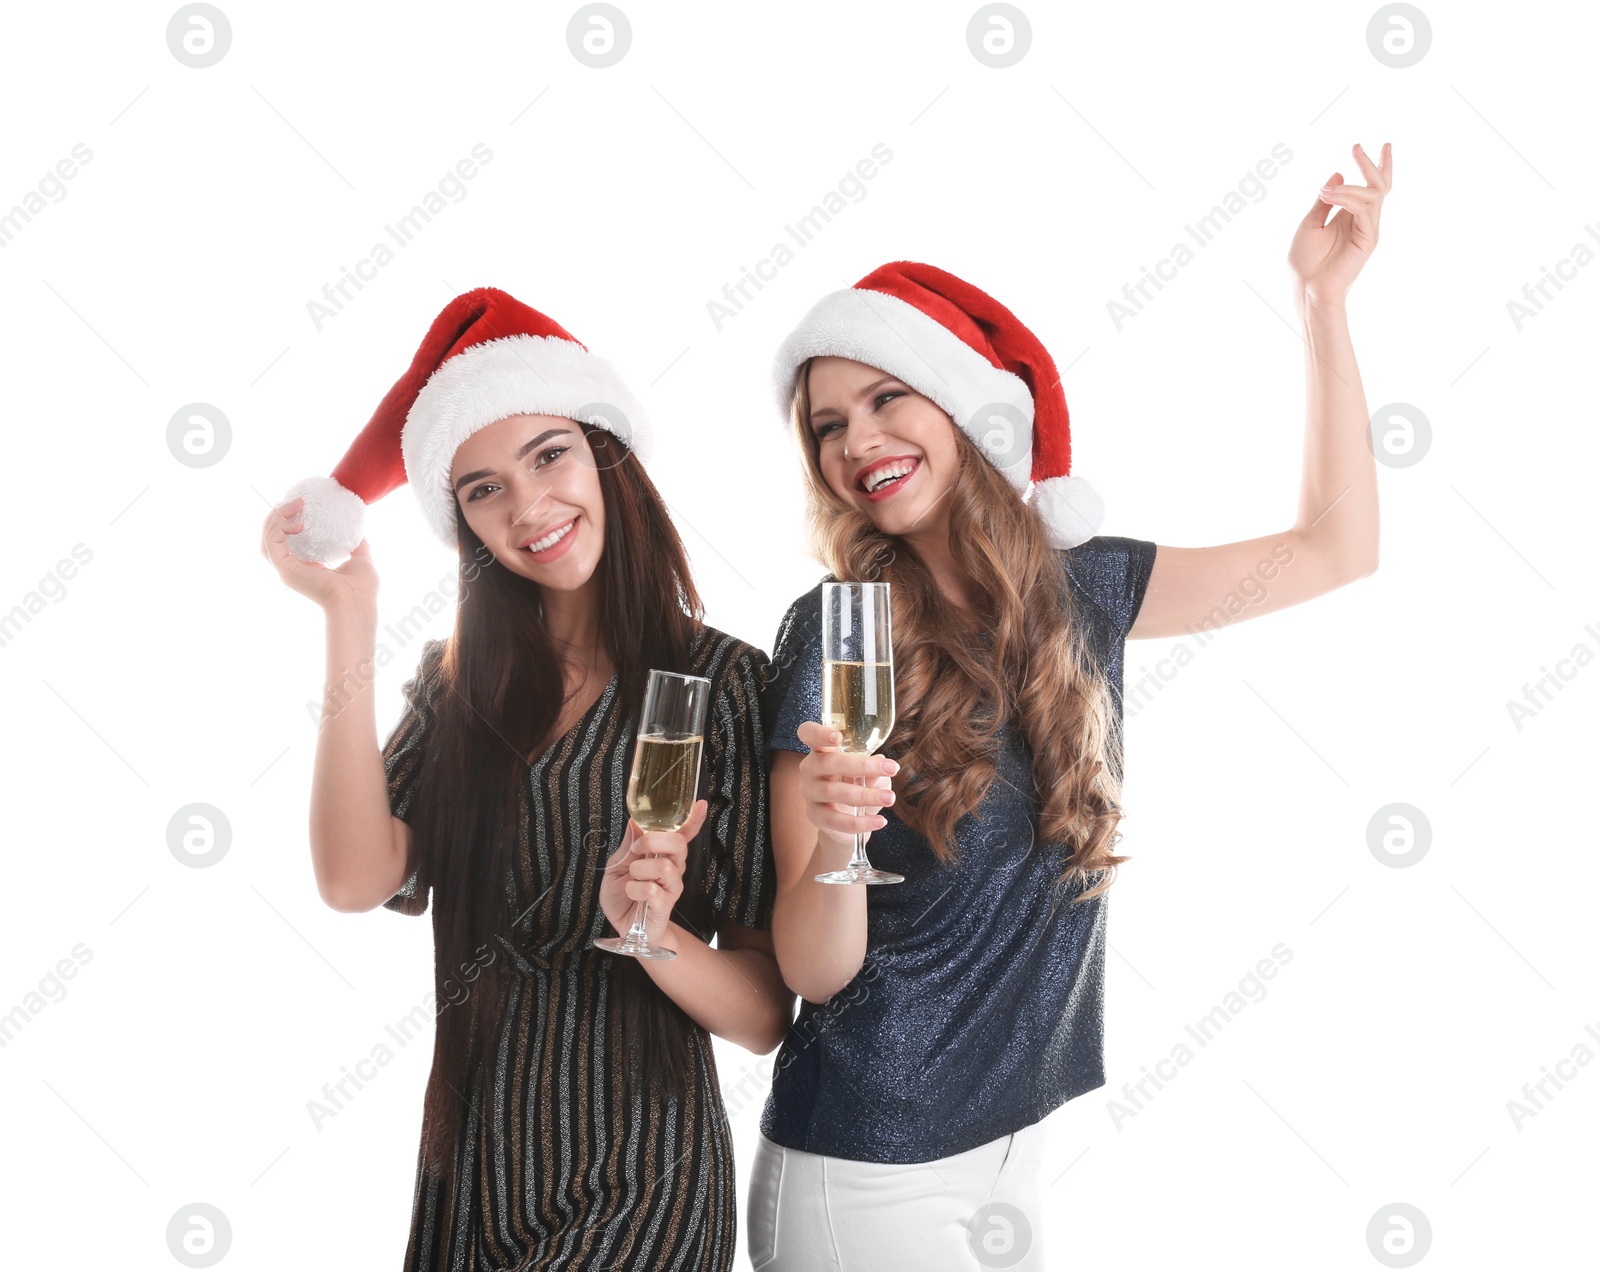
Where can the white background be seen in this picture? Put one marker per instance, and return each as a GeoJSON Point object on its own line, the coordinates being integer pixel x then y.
{"type": "Point", "coordinates": [176, 668]}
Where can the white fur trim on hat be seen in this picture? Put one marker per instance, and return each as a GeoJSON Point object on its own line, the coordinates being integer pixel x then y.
{"type": "Point", "coordinates": [1071, 509]}
{"type": "Point", "coordinates": [886, 332]}
{"type": "Point", "coordinates": [332, 517]}
{"type": "Point", "coordinates": [514, 375]}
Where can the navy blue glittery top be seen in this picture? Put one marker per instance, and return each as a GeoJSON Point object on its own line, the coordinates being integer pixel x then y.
{"type": "Point", "coordinates": [978, 1009]}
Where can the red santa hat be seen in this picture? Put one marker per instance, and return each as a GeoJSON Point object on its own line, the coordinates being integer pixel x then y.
{"type": "Point", "coordinates": [970, 355]}
{"type": "Point", "coordinates": [486, 356]}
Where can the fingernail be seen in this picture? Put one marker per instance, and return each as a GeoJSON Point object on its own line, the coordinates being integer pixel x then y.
{"type": "Point", "coordinates": [889, 766]}
{"type": "Point", "coordinates": [880, 822]}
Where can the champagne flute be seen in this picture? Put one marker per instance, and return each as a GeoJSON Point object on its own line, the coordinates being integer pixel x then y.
{"type": "Point", "coordinates": [857, 691]}
{"type": "Point", "coordinates": [666, 773]}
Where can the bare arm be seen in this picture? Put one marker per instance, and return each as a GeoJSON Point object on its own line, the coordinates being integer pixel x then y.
{"type": "Point", "coordinates": [359, 850]}
{"type": "Point", "coordinates": [1334, 538]}
{"type": "Point", "coordinates": [733, 990]}
{"type": "Point", "coordinates": [819, 930]}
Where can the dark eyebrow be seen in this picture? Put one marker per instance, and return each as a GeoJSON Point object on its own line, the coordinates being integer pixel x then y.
{"type": "Point", "coordinates": [865, 393]}
{"type": "Point", "coordinates": [489, 472]}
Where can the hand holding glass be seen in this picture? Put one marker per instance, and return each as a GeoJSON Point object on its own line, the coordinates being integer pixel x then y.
{"type": "Point", "coordinates": [858, 691]}
{"type": "Point", "coordinates": [666, 773]}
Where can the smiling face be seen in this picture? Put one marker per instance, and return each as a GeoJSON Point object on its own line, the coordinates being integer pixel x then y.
{"type": "Point", "coordinates": [529, 481]}
{"type": "Point", "coordinates": [891, 431]}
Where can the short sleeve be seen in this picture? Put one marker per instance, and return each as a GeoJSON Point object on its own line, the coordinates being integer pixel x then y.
{"type": "Point", "coordinates": [403, 755]}
{"type": "Point", "coordinates": [741, 879]}
{"type": "Point", "coordinates": [1111, 573]}
{"type": "Point", "coordinates": [793, 692]}
{"type": "Point", "coordinates": [1108, 577]}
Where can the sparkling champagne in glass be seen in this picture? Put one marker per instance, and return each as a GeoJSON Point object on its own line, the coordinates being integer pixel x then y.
{"type": "Point", "coordinates": [666, 773]}
{"type": "Point", "coordinates": [857, 691]}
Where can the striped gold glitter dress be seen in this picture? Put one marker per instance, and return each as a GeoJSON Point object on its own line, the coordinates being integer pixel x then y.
{"type": "Point", "coordinates": [563, 1172]}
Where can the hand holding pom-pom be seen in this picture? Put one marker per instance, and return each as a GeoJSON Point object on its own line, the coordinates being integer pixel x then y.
{"type": "Point", "coordinates": [356, 581]}
{"type": "Point", "coordinates": [331, 519]}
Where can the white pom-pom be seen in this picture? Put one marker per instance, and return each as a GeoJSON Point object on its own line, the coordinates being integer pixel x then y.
{"type": "Point", "coordinates": [332, 517]}
{"type": "Point", "coordinates": [1071, 509]}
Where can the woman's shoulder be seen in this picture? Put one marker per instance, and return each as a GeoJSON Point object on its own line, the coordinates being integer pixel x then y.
{"type": "Point", "coordinates": [802, 620]}
{"type": "Point", "coordinates": [718, 654]}
{"type": "Point", "coordinates": [1110, 571]}
{"type": "Point", "coordinates": [794, 675]}
{"type": "Point", "coordinates": [1103, 550]}
{"type": "Point", "coordinates": [430, 663]}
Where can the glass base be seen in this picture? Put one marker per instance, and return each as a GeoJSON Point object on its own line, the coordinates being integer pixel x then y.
{"type": "Point", "coordinates": [859, 874]}
{"type": "Point", "coordinates": [626, 945]}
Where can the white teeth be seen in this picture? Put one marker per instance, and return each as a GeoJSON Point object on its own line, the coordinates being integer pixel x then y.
{"type": "Point", "coordinates": [885, 475]}
{"type": "Point", "coordinates": [550, 540]}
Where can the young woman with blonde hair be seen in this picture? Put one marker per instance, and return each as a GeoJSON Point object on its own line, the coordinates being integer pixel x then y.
{"type": "Point", "coordinates": [945, 1016]}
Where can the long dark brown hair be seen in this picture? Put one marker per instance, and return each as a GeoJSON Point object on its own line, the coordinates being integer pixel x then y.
{"type": "Point", "coordinates": [502, 697]}
{"type": "Point", "coordinates": [953, 694]}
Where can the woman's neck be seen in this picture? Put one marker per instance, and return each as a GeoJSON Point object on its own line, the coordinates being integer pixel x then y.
{"type": "Point", "coordinates": [573, 620]}
{"type": "Point", "coordinates": [933, 546]}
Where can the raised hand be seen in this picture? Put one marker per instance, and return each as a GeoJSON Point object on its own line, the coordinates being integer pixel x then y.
{"type": "Point", "coordinates": [1326, 258]}
{"type": "Point", "coordinates": [356, 580]}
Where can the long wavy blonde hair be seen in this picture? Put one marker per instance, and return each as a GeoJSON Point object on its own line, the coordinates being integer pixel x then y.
{"type": "Point", "coordinates": [953, 693]}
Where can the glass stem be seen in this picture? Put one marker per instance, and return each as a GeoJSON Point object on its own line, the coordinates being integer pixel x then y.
{"type": "Point", "coordinates": [858, 858]}
{"type": "Point", "coordinates": [637, 934]}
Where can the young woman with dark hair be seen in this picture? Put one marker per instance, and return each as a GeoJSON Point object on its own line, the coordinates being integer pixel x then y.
{"type": "Point", "coordinates": [573, 1117]}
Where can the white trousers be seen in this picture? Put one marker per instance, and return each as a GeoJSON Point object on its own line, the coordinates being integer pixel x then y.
{"type": "Point", "coordinates": [965, 1213]}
